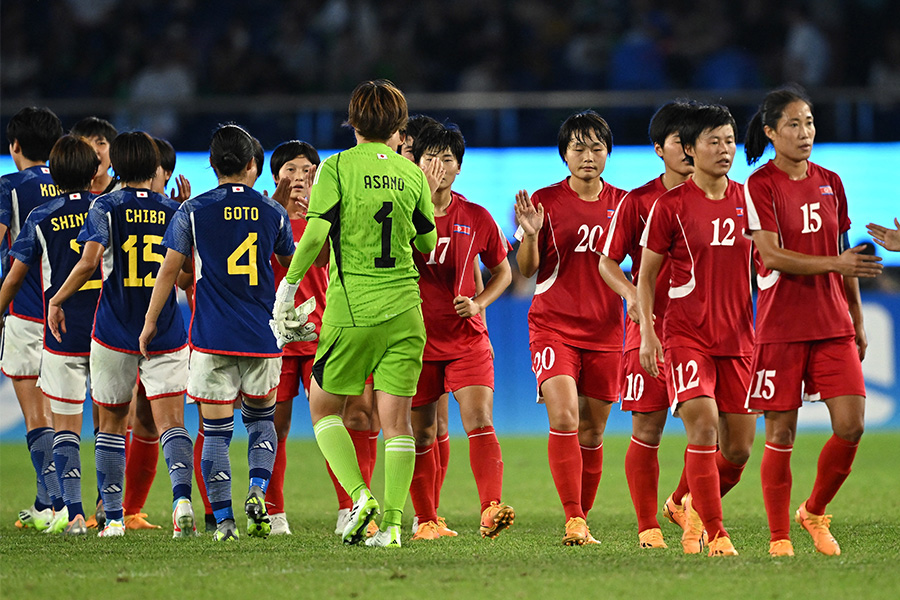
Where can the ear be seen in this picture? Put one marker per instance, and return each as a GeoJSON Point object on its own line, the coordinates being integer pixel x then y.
{"type": "Point", "coordinates": [15, 148]}
{"type": "Point", "coordinates": [770, 133]}
{"type": "Point", "coordinates": [688, 150]}
{"type": "Point", "coordinates": [251, 164]}
{"type": "Point", "coordinates": [658, 149]}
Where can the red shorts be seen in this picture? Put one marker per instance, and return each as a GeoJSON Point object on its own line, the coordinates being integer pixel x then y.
{"type": "Point", "coordinates": [640, 391]}
{"type": "Point", "coordinates": [692, 374]}
{"type": "Point", "coordinates": [787, 373]}
{"type": "Point", "coordinates": [294, 370]}
{"type": "Point", "coordinates": [440, 376]}
{"type": "Point", "coordinates": [596, 372]}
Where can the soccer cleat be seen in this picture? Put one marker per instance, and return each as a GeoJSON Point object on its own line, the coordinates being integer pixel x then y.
{"type": "Point", "coordinates": [818, 527]}
{"type": "Point", "coordinates": [674, 512]}
{"type": "Point", "coordinates": [343, 515]}
{"type": "Point", "coordinates": [183, 519]}
{"type": "Point", "coordinates": [112, 528]}
{"type": "Point", "coordinates": [694, 537]}
{"type": "Point", "coordinates": [577, 532]}
{"type": "Point", "coordinates": [427, 531]}
{"type": "Point", "coordinates": [209, 520]}
{"type": "Point", "coordinates": [59, 521]}
{"type": "Point", "coordinates": [443, 529]}
{"type": "Point", "coordinates": [590, 539]}
{"type": "Point", "coordinates": [226, 531]}
{"type": "Point", "coordinates": [386, 538]}
{"type": "Point", "coordinates": [32, 517]}
{"type": "Point", "coordinates": [495, 518]}
{"type": "Point", "coordinates": [372, 529]}
{"type": "Point", "coordinates": [364, 510]}
{"type": "Point", "coordinates": [99, 516]}
{"type": "Point", "coordinates": [722, 546]}
{"type": "Point", "coordinates": [258, 524]}
{"type": "Point", "coordinates": [138, 521]}
{"type": "Point", "coordinates": [652, 538]}
{"type": "Point", "coordinates": [781, 548]}
{"type": "Point", "coordinates": [279, 524]}
{"type": "Point", "coordinates": [76, 526]}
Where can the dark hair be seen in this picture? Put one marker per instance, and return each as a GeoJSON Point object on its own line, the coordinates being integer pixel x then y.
{"type": "Point", "coordinates": [73, 163]}
{"type": "Point", "coordinates": [438, 138]}
{"type": "Point", "coordinates": [706, 116]}
{"type": "Point", "coordinates": [377, 109]}
{"type": "Point", "coordinates": [770, 111]}
{"type": "Point", "coordinates": [287, 151]}
{"type": "Point", "coordinates": [231, 148]}
{"type": "Point", "coordinates": [90, 127]}
{"type": "Point", "coordinates": [134, 156]}
{"type": "Point", "coordinates": [259, 155]}
{"type": "Point", "coordinates": [669, 119]}
{"type": "Point", "coordinates": [36, 129]}
{"type": "Point", "coordinates": [166, 155]}
{"type": "Point", "coordinates": [416, 123]}
{"type": "Point", "coordinates": [581, 126]}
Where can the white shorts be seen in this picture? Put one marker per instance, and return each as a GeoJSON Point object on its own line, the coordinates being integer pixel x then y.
{"type": "Point", "coordinates": [114, 373]}
{"type": "Point", "coordinates": [64, 380]}
{"type": "Point", "coordinates": [23, 341]}
{"type": "Point", "coordinates": [219, 378]}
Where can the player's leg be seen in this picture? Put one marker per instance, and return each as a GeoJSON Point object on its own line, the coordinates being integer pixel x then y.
{"type": "Point", "coordinates": [424, 484]}
{"type": "Point", "coordinates": [358, 418]}
{"type": "Point", "coordinates": [198, 472]}
{"type": "Point", "coordinates": [737, 424]}
{"type": "Point", "coordinates": [775, 474]}
{"type": "Point", "coordinates": [142, 456]}
{"type": "Point", "coordinates": [642, 473]}
{"type": "Point", "coordinates": [442, 450]}
{"type": "Point", "coordinates": [288, 389]}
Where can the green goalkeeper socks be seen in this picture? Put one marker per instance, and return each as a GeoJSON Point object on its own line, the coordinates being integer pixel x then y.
{"type": "Point", "coordinates": [338, 450]}
{"type": "Point", "coordinates": [399, 461]}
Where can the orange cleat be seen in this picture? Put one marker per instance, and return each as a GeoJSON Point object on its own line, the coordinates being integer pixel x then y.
{"type": "Point", "coordinates": [495, 518]}
{"type": "Point", "coordinates": [577, 532]}
{"type": "Point", "coordinates": [781, 548]}
{"type": "Point", "coordinates": [443, 529]}
{"type": "Point", "coordinates": [427, 531]}
{"type": "Point", "coordinates": [818, 527]}
{"type": "Point", "coordinates": [652, 538]}
{"type": "Point", "coordinates": [139, 521]}
{"type": "Point", "coordinates": [694, 537]}
{"type": "Point", "coordinates": [722, 546]}
{"type": "Point", "coordinates": [674, 512]}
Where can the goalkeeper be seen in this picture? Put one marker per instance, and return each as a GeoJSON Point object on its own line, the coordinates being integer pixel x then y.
{"type": "Point", "coordinates": [370, 203]}
{"type": "Point", "coordinates": [230, 233]}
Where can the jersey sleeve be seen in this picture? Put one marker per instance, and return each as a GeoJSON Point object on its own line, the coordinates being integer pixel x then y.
{"type": "Point", "coordinates": [96, 225]}
{"type": "Point", "coordinates": [284, 240]}
{"type": "Point", "coordinates": [659, 234]}
{"type": "Point", "coordinates": [326, 191]}
{"type": "Point", "coordinates": [843, 216]}
{"type": "Point", "coordinates": [760, 211]}
{"type": "Point", "coordinates": [423, 214]}
{"type": "Point", "coordinates": [178, 235]}
{"type": "Point", "coordinates": [618, 239]}
{"type": "Point", "coordinates": [5, 202]}
{"type": "Point", "coordinates": [497, 247]}
{"type": "Point", "coordinates": [26, 248]}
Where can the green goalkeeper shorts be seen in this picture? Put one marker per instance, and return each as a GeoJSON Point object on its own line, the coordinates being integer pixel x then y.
{"type": "Point", "coordinates": [390, 351]}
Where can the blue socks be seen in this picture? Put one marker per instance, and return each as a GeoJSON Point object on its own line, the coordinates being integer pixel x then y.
{"type": "Point", "coordinates": [179, 452]}
{"type": "Point", "coordinates": [216, 465]}
{"type": "Point", "coordinates": [260, 424]}
{"type": "Point", "coordinates": [40, 446]}
{"type": "Point", "coordinates": [67, 456]}
{"type": "Point", "coordinates": [109, 452]}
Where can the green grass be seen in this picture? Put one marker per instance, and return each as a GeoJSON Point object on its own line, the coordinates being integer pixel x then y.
{"type": "Point", "coordinates": [528, 561]}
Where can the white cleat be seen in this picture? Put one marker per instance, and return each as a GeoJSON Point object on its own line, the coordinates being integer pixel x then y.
{"type": "Point", "coordinates": [386, 538]}
{"type": "Point", "coordinates": [112, 529]}
{"type": "Point", "coordinates": [343, 516]}
{"type": "Point", "coordinates": [279, 524]}
{"type": "Point", "coordinates": [183, 524]}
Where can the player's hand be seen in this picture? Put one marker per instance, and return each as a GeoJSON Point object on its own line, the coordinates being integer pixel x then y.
{"type": "Point", "coordinates": [434, 174]}
{"type": "Point", "coordinates": [56, 321]}
{"type": "Point", "coordinates": [147, 335]}
{"type": "Point", "coordinates": [466, 307]}
{"type": "Point", "coordinates": [310, 179]}
{"type": "Point", "coordinates": [884, 237]}
{"type": "Point", "coordinates": [651, 352]}
{"type": "Point", "coordinates": [862, 341]}
{"type": "Point", "coordinates": [286, 334]}
{"type": "Point", "coordinates": [852, 263]}
{"type": "Point", "coordinates": [282, 193]}
{"type": "Point", "coordinates": [183, 187]}
{"type": "Point", "coordinates": [631, 308]}
{"type": "Point", "coordinates": [530, 219]}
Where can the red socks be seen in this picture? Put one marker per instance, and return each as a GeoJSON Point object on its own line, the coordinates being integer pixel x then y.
{"type": "Point", "coordinates": [422, 489]}
{"type": "Point", "coordinates": [275, 491]}
{"type": "Point", "coordinates": [565, 465]}
{"type": "Point", "coordinates": [729, 473]}
{"type": "Point", "coordinates": [140, 469]}
{"type": "Point", "coordinates": [682, 488]}
{"type": "Point", "coordinates": [835, 462]}
{"type": "Point", "coordinates": [198, 473]}
{"type": "Point", "coordinates": [591, 470]}
{"type": "Point", "coordinates": [642, 473]}
{"type": "Point", "coordinates": [775, 472]}
{"type": "Point", "coordinates": [373, 456]}
{"type": "Point", "coordinates": [703, 480]}
{"type": "Point", "coordinates": [442, 458]}
{"type": "Point", "coordinates": [486, 461]}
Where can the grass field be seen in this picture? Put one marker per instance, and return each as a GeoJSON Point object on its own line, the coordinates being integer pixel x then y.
{"type": "Point", "coordinates": [528, 561]}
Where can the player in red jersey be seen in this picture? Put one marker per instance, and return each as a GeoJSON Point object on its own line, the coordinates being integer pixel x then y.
{"type": "Point", "coordinates": [810, 336]}
{"type": "Point", "coordinates": [887, 238]}
{"type": "Point", "coordinates": [646, 397]}
{"type": "Point", "coordinates": [458, 357]}
{"type": "Point", "coordinates": [709, 318]}
{"type": "Point", "coordinates": [575, 323]}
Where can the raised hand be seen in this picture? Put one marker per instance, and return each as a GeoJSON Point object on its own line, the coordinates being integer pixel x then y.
{"type": "Point", "coordinates": [530, 219]}
{"type": "Point", "coordinates": [183, 189]}
{"type": "Point", "coordinates": [434, 173]}
{"type": "Point", "coordinates": [885, 237]}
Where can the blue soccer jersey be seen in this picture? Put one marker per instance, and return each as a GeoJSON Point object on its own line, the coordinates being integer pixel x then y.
{"type": "Point", "coordinates": [231, 232]}
{"type": "Point", "coordinates": [48, 237]}
{"type": "Point", "coordinates": [20, 193]}
{"type": "Point", "coordinates": [130, 224]}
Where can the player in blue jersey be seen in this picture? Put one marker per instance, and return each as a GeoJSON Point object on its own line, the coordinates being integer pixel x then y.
{"type": "Point", "coordinates": [230, 232]}
{"type": "Point", "coordinates": [125, 229]}
{"type": "Point", "coordinates": [47, 239]}
{"type": "Point", "coordinates": [31, 133]}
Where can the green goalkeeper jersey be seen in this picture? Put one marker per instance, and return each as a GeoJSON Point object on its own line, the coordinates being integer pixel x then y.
{"type": "Point", "coordinates": [376, 202]}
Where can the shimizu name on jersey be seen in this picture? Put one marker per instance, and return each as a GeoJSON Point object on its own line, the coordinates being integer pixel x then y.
{"type": "Point", "coordinates": [384, 182]}
{"type": "Point", "coordinates": [68, 221]}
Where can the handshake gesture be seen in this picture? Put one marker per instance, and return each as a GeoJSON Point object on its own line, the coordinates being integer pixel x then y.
{"type": "Point", "coordinates": [290, 323]}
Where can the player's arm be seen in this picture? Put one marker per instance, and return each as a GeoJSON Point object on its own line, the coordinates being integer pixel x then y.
{"type": "Point", "coordinates": [850, 263]}
{"type": "Point", "coordinates": [854, 302]}
{"type": "Point", "coordinates": [501, 277]}
{"type": "Point", "coordinates": [651, 349]}
{"type": "Point", "coordinates": [165, 280]}
{"type": "Point", "coordinates": [423, 221]}
{"type": "Point", "coordinates": [885, 237]}
{"type": "Point", "coordinates": [12, 283]}
{"type": "Point", "coordinates": [531, 220]}
{"type": "Point", "coordinates": [81, 272]}
{"type": "Point", "coordinates": [308, 249]}
{"type": "Point", "coordinates": [615, 278]}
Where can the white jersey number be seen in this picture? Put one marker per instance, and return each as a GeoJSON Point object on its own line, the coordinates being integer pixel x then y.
{"type": "Point", "coordinates": [634, 386]}
{"type": "Point", "coordinates": [589, 238]}
{"type": "Point", "coordinates": [543, 361]}
{"type": "Point", "coordinates": [765, 385]}
{"type": "Point", "coordinates": [442, 241]}
{"type": "Point", "coordinates": [692, 379]}
{"type": "Point", "coordinates": [727, 229]}
{"type": "Point", "coordinates": [812, 222]}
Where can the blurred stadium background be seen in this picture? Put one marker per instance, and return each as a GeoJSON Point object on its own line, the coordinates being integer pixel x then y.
{"type": "Point", "coordinates": [508, 72]}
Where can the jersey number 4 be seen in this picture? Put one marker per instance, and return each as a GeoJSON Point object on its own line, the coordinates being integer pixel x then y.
{"type": "Point", "coordinates": [248, 247]}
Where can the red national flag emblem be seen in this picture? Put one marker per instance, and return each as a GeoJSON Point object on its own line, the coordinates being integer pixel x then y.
{"type": "Point", "coordinates": [237, 189]}
{"type": "Point", "coordinates": [609, 213]}
{"type": "Point", "coordinates": [382, 156]}
{"type": "Point", "coordinates": [464, 229]}
{"type": "Point", "coordinates": [826, 190]}
{"type": "Point", "coordinates": [740, 211]}
{"type": "Point", "coordinates": [75, 196]}
{"type": "Point", "coordinates": [141, 194]}
{"type": "Point", "coordinates": [45, 170]}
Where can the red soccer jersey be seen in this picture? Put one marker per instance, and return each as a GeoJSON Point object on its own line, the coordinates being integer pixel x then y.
{"type": "Point", "coordinates": [448, 271]}
{"type": "Point", "coordinates": [809, 217]}
{"type": "Point", "coordinates": [623, 238]}
{"type": "Point", "coordinates": [313, 284]}
{"type": "Point", "coordinates": [710, 307]}
{"type": "Point", "coordinates": [571, 300]}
